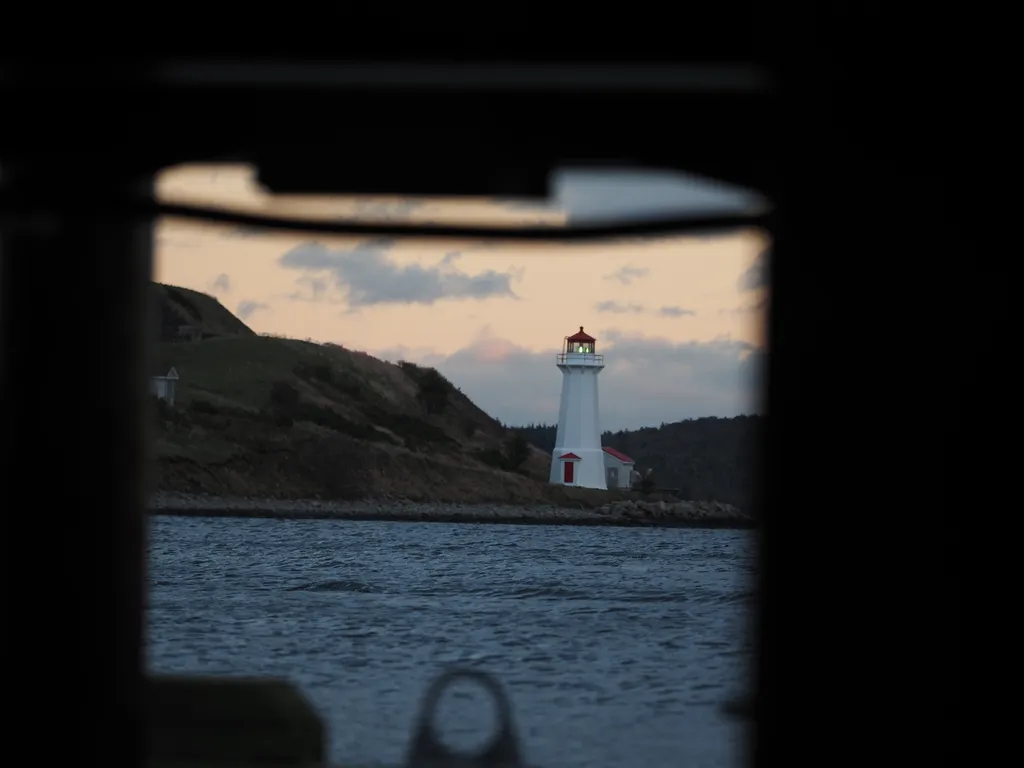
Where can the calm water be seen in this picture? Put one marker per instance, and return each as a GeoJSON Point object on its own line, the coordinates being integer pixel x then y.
{"type": "Point", "coordinates": [616, 646]}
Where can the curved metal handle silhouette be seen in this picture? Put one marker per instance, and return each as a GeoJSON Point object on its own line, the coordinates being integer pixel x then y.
{"type": "Point", "coordinates": [429, 751]}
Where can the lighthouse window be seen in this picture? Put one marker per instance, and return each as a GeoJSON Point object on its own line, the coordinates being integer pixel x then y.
{"type": "Point", "coordinates": [583, 347]}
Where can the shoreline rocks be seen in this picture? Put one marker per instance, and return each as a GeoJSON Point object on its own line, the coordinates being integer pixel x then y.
{"type": "Point", "coordinates": [661, 514]}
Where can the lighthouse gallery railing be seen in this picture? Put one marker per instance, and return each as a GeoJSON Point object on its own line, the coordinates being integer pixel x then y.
{"type": "Point", "coordinates": [580, 357]}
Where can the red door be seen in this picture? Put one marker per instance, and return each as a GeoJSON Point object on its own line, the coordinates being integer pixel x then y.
{"type": "Point", "coordinates": [568, 472]}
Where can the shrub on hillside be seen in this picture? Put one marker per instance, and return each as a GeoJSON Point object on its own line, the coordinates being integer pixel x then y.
{"type": "Point", "coordinates": [323, 416]}
{"type": "Point", "coordinates": [491, 457]}
{"type": "Point", "coordinates": [517, 450]}
{"type": "Point", "coordinates": [513, 455]}
{"type": "Point", "coordinates": [418, 431]}
{"type": "Point", "coordinates": [283, 395]}
{"type": "Point", "coordinates": [160, 407]}
{"type": "Point", "coordinates": [344, 383]}
{"type": "Point", "coordinates": [434, 392]}
{"type": "Point", "coordinates": [414, 431]}
{"type": "Point", "coordinates": [318, 372]}
{"type": "Point", "coordinates": [433, 387]}
{"type": "Point", "coordinates": [331, 419]}
{"type": "Point", "coordinates": [350, 388]}
{"type": "Point", "coordinates": [204, 406]}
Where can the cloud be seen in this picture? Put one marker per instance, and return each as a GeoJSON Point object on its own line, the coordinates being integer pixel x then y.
{"type": "Point", "coordinates": [675, 312]}
{"type": "Point", "coordinates": [309, 289]}
{"type": "Point", "coordinates": [647, 380]}
{"type": "Point", "coordinates": [615, 308]}
{"type": "Point", "coordinates": [627, 274]}
{"type": "Point", "coordinates": [757, 275]}
{"type": "Point", "coordinates": [248, 308]}
{"type": "Point", "coordinates": [369, 277]}
{"type": "Point", "coordinates": [221, 283]}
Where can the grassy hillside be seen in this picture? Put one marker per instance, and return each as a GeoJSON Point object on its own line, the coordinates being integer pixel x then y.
{"type": "Point", "coordinates": [264, 416]}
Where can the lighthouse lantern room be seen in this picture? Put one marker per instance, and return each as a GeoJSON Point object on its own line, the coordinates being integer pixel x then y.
{"type": "Point", "coordinates": [578, 459]}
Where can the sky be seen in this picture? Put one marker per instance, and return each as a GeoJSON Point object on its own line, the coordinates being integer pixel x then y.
{"type": "Point", "coordinates": [679, 319]}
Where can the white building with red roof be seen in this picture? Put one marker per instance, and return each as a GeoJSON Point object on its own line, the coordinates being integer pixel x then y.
{"type": "Point", "coordinates": [578, 458]}
{"type": "Point", "coordinates": [618, 468]}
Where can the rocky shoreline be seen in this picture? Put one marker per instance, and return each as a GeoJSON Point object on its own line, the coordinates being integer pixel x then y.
{"type": "Point", "coordinates": [662, 514]}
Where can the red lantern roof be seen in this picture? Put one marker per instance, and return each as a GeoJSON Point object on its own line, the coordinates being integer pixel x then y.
{"type": "Point", "coordinates": [581, 336]}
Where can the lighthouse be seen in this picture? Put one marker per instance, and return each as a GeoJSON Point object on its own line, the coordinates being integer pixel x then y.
{"type": "Point", "coordinates": [578, 458]}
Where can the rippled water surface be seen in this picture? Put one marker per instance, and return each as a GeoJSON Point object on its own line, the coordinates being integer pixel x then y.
{"type": "Point", "coordinates": [617, 646]}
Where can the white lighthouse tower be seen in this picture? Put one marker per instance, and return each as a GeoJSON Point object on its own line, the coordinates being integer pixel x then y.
{"type": "Point", "coordinates": [578, 458]}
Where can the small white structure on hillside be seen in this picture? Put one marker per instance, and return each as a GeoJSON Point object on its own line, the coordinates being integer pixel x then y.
{"type": "Point", "coordinates": [618, 469]}
{"type": "Point", "coordinates": [163, 385]}
{"type": "Point", "coordinates": [578, 459]}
